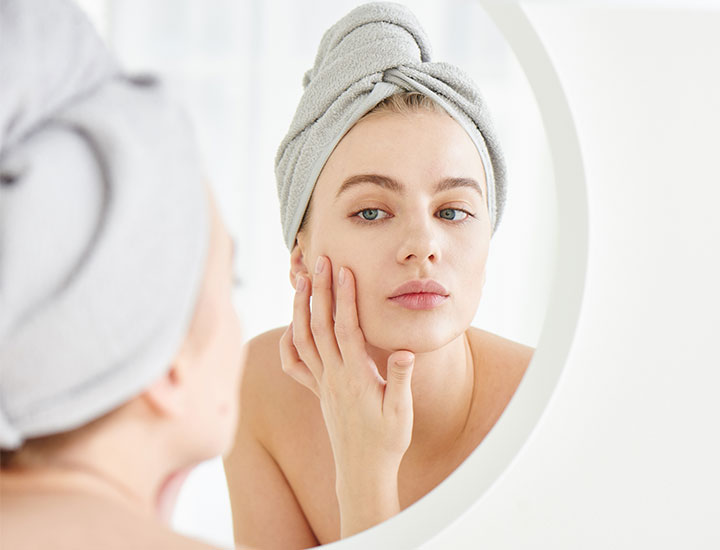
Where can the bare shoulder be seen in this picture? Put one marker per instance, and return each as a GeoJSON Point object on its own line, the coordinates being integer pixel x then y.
{"type": "Point", "coordinates": [266, 345]}
{"type": "Point", "coordinates": [274, 452]}
{"type": "Point", "coordinates": [270, 396]}
{"type": "Point", "coordinates": [263, 367]}
{"type": "Point", "coordinates": [500, 364]}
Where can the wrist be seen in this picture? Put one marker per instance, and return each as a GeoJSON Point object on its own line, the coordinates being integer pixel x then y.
{"type": "Point", "coordinates": [365, 478]}
{"type": "Point", "coordinates": [366, 501]}
{"type": "Point", "coordinates": [365, 485]}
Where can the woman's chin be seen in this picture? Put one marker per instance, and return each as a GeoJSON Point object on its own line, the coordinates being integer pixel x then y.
{"type": "Point", "coordinates": [416, 341]}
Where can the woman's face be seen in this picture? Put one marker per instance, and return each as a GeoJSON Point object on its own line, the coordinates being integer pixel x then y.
{"type": "Point", "coordinates": [402, 199]}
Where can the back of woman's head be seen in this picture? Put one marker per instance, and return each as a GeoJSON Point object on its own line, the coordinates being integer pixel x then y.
{"type": "Point", "coordinates": [105, 227]}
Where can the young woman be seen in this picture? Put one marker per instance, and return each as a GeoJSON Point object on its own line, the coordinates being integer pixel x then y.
{"type": "Point", "coordinates": [391, 185]}
{"type": "Point", "coordinates": [120, 353]}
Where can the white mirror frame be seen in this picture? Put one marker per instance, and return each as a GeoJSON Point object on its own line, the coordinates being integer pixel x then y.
{"type": "Point", "coordinates": [453, 498]}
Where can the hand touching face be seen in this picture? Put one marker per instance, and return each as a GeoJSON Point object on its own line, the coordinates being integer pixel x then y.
{"type": "Point", "coordinates": [369, 419]}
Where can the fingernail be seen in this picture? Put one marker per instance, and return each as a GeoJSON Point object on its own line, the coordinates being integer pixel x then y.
{"type": "Point", "coordinates": [341, 276]}
{"type": "Point", "coordinates": [320, 264]}
{"type": "Point", "coordinates": [404, 363]}
{"type": "Point", "coordinates": [299, 283]}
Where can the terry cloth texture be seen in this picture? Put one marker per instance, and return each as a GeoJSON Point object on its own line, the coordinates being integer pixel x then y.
{"type": "Point", "coordinates": [375, 51]}
{"type": "Point", "coordinates": [104, 225]}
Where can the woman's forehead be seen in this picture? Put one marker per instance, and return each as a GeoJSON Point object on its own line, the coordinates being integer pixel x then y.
{"type": "Point", "coordinates": [403, 151]}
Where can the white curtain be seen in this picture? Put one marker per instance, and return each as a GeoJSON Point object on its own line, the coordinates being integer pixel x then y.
{"type": "Point", "coordinates": [238, 66]}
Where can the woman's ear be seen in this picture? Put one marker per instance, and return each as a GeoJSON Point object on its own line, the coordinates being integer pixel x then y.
{"type": "Point", "coordinates": [166, 396]}
{"type": "Point", "coordinates": [297, 262]}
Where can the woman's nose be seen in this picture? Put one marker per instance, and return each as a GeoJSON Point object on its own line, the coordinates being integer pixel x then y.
{"type": "Point", "coordinates": [419, 243]}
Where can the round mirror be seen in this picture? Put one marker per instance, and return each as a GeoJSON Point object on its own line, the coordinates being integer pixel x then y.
{"type": "Point", "coordinates": [238, 67]}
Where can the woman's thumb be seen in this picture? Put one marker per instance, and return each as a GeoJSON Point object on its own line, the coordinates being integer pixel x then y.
{"type": "Point", "coordinates": [398, 396]}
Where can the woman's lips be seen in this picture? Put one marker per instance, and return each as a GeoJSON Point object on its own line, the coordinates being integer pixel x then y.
{"type": "Point", "coordinates": [419, 294]}
{"type": "Point", "coordinates": [419, 300]}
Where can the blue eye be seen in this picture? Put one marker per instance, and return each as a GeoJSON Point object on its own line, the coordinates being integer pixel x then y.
{"type": "Point", "coordinates": [372, 214]}
{"type": "Point", "coordinates": [453, 214]}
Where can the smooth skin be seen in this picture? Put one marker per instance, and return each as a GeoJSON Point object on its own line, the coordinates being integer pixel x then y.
{"type": "Point", "coordinates": [401, 198]}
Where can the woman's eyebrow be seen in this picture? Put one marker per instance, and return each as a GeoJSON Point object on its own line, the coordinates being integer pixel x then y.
{"type": "Point", "coordinates": [393, 185]}
{"type": "Point", "coordinates": [383, 181]}
{"type": "Point", "coordinates": [453, 183]}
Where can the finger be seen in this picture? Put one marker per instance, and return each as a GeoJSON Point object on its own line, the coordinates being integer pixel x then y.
{"type": "Point", "coordinates": [293, 365]}
{"type": "Point", "coordinates": [348, 333]}
{"type": "Point", "coordinates": [398, 395]}
{"type": "Point", "coordinates": [321, 322]}
{"type": "Point", "coordinates": [302, 337]}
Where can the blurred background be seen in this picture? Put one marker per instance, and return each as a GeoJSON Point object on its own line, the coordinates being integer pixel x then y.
{"type": "Point", "coordinates": [237, 66]}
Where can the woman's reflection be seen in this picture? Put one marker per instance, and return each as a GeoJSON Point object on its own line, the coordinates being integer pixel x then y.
{"type": "Point", "coordinates": [389, 387]}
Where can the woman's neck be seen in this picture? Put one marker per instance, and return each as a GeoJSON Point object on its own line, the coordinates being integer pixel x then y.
{"type": "Point", "coordinates": [130, 479]}
{"type": "Point", "coordinates": [59, 476]}
{"type": "Point", "coordinates": [443, 384]}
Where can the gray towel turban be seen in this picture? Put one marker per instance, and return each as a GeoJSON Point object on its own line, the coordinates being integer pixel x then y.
{"type": "Point", "coordinates": [375, 51]}
{"type": "Point", "coordinates": [104, 225]}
